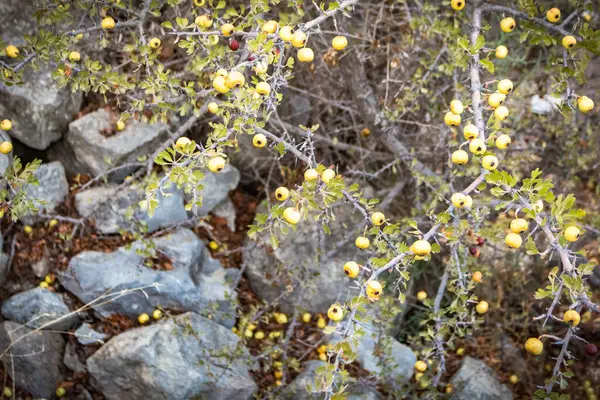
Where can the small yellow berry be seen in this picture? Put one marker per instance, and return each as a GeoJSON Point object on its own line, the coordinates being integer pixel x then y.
{"type": "Point", "coordinates": [74, 56]}
{"type": "Point", "coordinates": [259, 140]}
{"type": "Point", "coordinates": [216, 164]}
{"type": "Point", "coordinates": [6, 125]}
{"type": "Point", "coordinates": [501, 52]}
{"type": "Point", "coordinates": [143, 318]}
{"type": "Point", "coordinates": [572, 233]}
{"type": "Point", "coordinates": [362, 242]}
{"type": "Point", "coordinates": [227, 29]}
{"type": "Point", "coordinates": [282, 193]}
{"type": "Point", "coordinates": [335, 313]}
{"type": "Point", "coordinates": [421, 366]}
{"type": "Point", "coordinates": [569, 42]}
{"type": "Point", "coordinates": [508, 24]}
{"type": "Point", "coordinates": [328, 175]}
{"type": "Point", "coordinates": [422, 295]}
{"type": "Point", "coordinates": [306, 55]}
{"type": "Point", "coordinates": [377, 218]}
{"type": "Point", "coordinates": [477, 276]}
{"type": "Point", "coordinates": [458, 5]}
{"type": "Point", "coordinates": [572, 317]}
{"type": "Point", "coordinates": [351, 269]}
{"type": "Point", "coordinates": [421, 248]}
{"type": "Point", "coordinates": [339, 43]}
{"type": "Point", "coordinates": [157, 314]}
{"type": "Point", "coordinates": [306, 318]}
{"type": "Point", "coordinates": [513, 240]}
{"type": "Point", "coordinates": [477, 146]}
{"type": "Point", "coordinates": [460, 157]}
{"type": "Point", "coordinates": [108, 23]}
{"type": "Point", "coordinates": [519, 225]}
{"type": "Point", "coordinates": [456, 106]}
{"type": "Point", "coordinates": [270, 27]}
{"type": "Point", "coordinates": [291, 215]}
{"type": "Point", "coordinates": [311, 174]}
{"type": "Point", "coordinates": [155, 43]}
{"type": "Point", "coordinates": [482, 307]}
{"type": "Point", "coordinates": [534, 346]}
{"type": "Point", "coordinates": [553, 15]}
{"type": "Point", "coordinates": [470, 132]}
{"type": "Point", "coordinates": [374, 290]}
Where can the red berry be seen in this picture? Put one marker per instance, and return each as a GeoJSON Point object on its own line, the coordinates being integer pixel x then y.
{"type": "Point", "coordinates": [591, 349]}
{"type": "Point", "coordinates": [234, 44]}
{"type": "Point", "coordinates": [251, 58]}
{"type": "Point", "coordinates": [480, 241]}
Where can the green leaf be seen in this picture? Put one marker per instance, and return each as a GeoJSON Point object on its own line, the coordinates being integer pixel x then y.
{"type": "Point", "coordinates": [487, 65]}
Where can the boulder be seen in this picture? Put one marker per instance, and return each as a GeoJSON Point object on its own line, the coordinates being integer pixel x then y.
{"type": "Point", "coordinates": [184, 357]}
{"type": "Point", "coordinates": [37, 307]}
{"type": "Point", "coordinates": [85, 334]}
{"type": "Point", "coordinates": [36, 363]}
{"type": "Point", "coordinates": [19, 13]}
{"type": "Point", "coordinates": [226, 210]}
{"type": "Point", "coordinates": [52, 190]}
{"type": "Point", "coordinates": [115, 209]}
{"type": "Point", "coordinates": [39, 109]}
{"type": "Point", "coordinates": [216, 189]}
{"type": "Point", "coordinates": [317, 279]}
{"type": "Point", "coordinates": [476, 381]}
{"type": "Point", "coordinates": [97, 153]}
{"type": "Point", "coordinates": [71, 358]}
{"type": "Point", "coordinates": [196, 282]}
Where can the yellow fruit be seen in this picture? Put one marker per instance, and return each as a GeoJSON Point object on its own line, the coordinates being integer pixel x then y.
{"type": "Point", "coordinates": [513, 379]}
{"type": "Point", "coordinates": [587, 16]}
{"type": "Point", "coordinates": [108, 23]}
{"type": "Point", "coordinates": [281, 318]}
{"type": "Point", "coordinates": [263, 88]}
{"type": "Point", "coordinates": [374, 290]}
{"type": "Point", "coordinates": [460, 157]}
{"type": "Point", "coordinates": [508, 24]}
{"type": "Point", "coordinates": [458, 199]}
{"type": "Point", "coordinates": [452, 119]}
{"type": "Point", "coordinates": [553, 15]}
{"type": "Point", "coordinates": [339, 42]}
{"type": "Point", "coordinates": [422, 295]}
{"type": "Point", "coordinates": [248, 333]}
{"type": "Point", "coordinates": [421, 248]}
{"type": "Point", "coordinates": [182, 142]}
{"type": "Point", "coordinates": [366, 132]}
{"type": "Point", "coordinates": [216, 164]}
{"type": "Point", "coordinates": [120, 125]}
{"type": "Point", "coordinates": [362, 242]}
{"type": "Point", "coordinates": [261, 67]}
{"type": "Point", "coordinates": [311, 174]}
{"type": "Point", "coordinates": [482, 307]}
{"type": "Point", "coordinates": [212, 107]}
{"type": "Point", "coordinates": [470, 132]}
{"type": "Point", "coordinates": [534, 346]}
{"type": "Point", "coordinates": [421, 366]}
{"type": "Point", "coordinates": [569, 42]}
{"type": "Point", "coordinates": [221, 72]}
{"type": "Point", "coordinates": [260, 335]}
{"type": "Point", "coordinates": [291, 215]}
{"type": "Point", "coordinates": [585, 104]}
{"type": "Point", "coordinates": [468, 201]}
{"type": "Point", "coordinates": [501, 113]}
{"type": "Point", "coordinates": [44, 285]}
{"type": "Point", "coordinates": [6, 125]}
{"type": "Point", "coordinates": [496, 99]}
{"type": "Point", "coordinates": [220, 84]}
{"type": "Point", "coordinates": [306, 55]}
{"type": "Point", "coordinates": [519, 225]}
{"type": "Point", "coordinates": [321, 323]}
{"type": "Point", "coordinates": [501, 51]}
{"type": "Point", "coordinates": [52, 223]}
{"type": "Point", "coordinates": [513, 240]}
{"type": "Point", "coordinates": [449, 389]}
{"type": "Point", "coordinates": [351, 269]}
{"type": "Point", "coordinates": [477, 276]}
{"type": "Point", "coordinates": [489, 162]}
{"type": "Point", "coordinates": [278, 374]}
{"type": "Point", "coordinates": [572, 233]}
{"type": "Point", "coordinates": [155, 43]}
{"type": "Point", "coordinates": [282, 193]}
{"type": "Point", "coordinates": [378, 218]}
{"type": "Point", "coordinates": [61, 391]}
{"type": "Point", "coordinates": [505, 86]}
{"type": "Point", "coordinates": [259, 140]}
{"type": "Point", "coordinates": [157, 314]}
{"type": "Point", "coordinates": [50, 278]}
{"type": "Point", "coordinates": [328, 175]}
{"type": "Point", "coordinates": [458, 4]}
{"type": "Point", "coordinates": [298, 39]}
{"type": "Point", "coordinates": [6, 147]}
{"type": "Point", "coordinates": [572, 317]}
{"type": "Point", "coordinates": [335, 313]}
{"type": "Point", "coordinates": [204, 21]}
{"type": "Point", "coordinates": [456, 106]}
{"type": "Point", "coordinates": [477, 146]}
{"type": "Point", "coordinates": [143, 318]}
{"type": "Point", "coordinates": [7, 392]}
{"type": "Point", "coordinates": [227, 29]}
{"type": "Point", "coordinates": [285, 33]}
{"type": "Point", "coordinates": [213, 245]}
{"type": "Point", "coordinates": [503, 141]}
{"type": "Point", "coordinates": [269, 26]}
{"type": "Point", "coordinates": [306, 317]}
{"type": "Point", "coordinates": [235, 79]}
{"type": "Point", "coordinates": [74, 56]}
{"type": "Point", "coordinates": [199, 3]}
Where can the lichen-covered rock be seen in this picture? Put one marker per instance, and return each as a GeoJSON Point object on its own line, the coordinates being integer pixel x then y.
{"type": "Point", "coordinates": [197, 282]}
{"type": "Point", "coordinates": [52, 190]}
{"type": "Point", "coordinates": [476, 381]}
{"type": "Point", "coordinates": [184, 357]}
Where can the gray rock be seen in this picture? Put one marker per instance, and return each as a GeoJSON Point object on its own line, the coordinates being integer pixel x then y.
{"type": "Point", "coordinates": [19, 13]}
{"type": "Point", "coordinates": [321, 276]}
{"type": "Point", "coordinates": [544, 105]}
{"type": "Point", "coordinates": [114, 208]}
{"type": "Point", "coordinates": [87, 335]}
{"type": "Point", "coordinates": [71, 359]}
{"type": "Point", "coordinates": [36, 361]}
{"type": "Point", "coordinates": [37, 307]}
{"type": "Point", "coordinates": [52, 190]}
{"type": "Point", "coordinates": [42, 267]}
{"type": "Point", "coordinates": [476, 381]}
{"type": "Point", "coordinates": [39, 109]}
{"type": "Point", "coordinates": [226, 210]}
{"type": "Point", "coordinates": [216, 189]}
{"type": "Point", "coordinates": [98, 153]}
{"type": "Point", "coordinates": [185, 357]}
{"type": "Point", "coordinates": [197, 282]}
{"type": "Point", "coordinates": [306, 384]}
